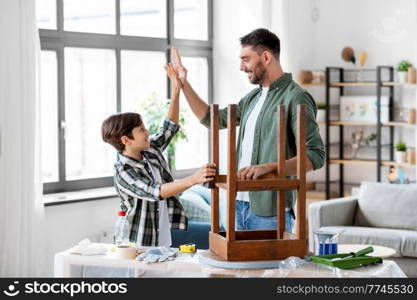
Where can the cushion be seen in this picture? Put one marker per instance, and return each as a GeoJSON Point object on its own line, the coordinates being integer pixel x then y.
{"type": "Point", "coordinates": [387, 205]}
{"type": "Point", "coordinates": [409, 245]}
{"type": "Point", "coordinates": [205, 193]}
{"type": "Point", "coordinates": [195, 207]}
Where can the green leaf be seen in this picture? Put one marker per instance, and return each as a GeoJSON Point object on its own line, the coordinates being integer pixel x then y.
{"type": "Point", "coordinates": [404, 65]}
{"type": "Point", "coordinates": [401, 146]}
{"type": "Point", "coordinates": [153, 111]}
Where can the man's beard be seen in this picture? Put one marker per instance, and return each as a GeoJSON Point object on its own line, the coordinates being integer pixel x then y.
{"type": "Point", "coordinates": [258, 74]}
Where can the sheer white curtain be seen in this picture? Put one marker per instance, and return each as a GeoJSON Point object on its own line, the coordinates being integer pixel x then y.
{"type": "Point", "coordinates": [21, 211]}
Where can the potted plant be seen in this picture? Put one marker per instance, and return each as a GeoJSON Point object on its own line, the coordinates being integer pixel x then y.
{"type": "Point", "coordinates": [321, 112]}
{"type": "Point", "coordinates": [400, 153]}
{"type": "Point", "coordinates": [402, 69]}
{"type": "Point", "coordinates": [154, 111]}
{"type": "Point", "coordinates": [370, 140]}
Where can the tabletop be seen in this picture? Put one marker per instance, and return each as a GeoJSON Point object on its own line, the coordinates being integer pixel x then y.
{"type": "Point", "coordinates": [188, 265]}
{"type": "Point", "coordinates": [380, 251]}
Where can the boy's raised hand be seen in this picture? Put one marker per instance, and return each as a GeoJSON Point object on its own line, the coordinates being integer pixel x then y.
{"type": "Point", "coordinates": [205, 174]}
{"type": "Point", "coordinates": [173, 75]}
{"type": "Point", "coordinates": [178, 66]}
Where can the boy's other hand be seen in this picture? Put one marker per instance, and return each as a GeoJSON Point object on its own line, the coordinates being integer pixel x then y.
{"type": "Point", "coordinates": [177, 64]}
{"type": "Point", "coordinates": [173, 75]}
{"type": "Point", "coordinates": [205, 174]}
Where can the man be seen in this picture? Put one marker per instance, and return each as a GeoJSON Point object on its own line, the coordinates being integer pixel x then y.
{"type": "Point", "coordinates": [257, 117]}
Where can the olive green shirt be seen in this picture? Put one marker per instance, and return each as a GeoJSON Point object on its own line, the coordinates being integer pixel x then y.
{"type": "Point", "coordinates": [283, 91]}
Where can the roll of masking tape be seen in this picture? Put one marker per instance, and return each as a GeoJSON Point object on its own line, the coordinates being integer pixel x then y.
{"type": "Point", "coordinates": [126, 252]}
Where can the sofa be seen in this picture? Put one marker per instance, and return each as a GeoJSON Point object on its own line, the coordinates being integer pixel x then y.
{"type": "Point", "coordinates": [381, 214]}
{"type": "Point", "coordinates": [196, 203]}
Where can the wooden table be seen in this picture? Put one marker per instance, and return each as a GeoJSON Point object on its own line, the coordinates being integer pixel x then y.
{"type": "Point", "coordinates": [379, 251]}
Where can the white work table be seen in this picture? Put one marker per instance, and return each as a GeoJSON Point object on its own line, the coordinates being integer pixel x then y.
{"type": "Point", "coordinates": [187, 265]}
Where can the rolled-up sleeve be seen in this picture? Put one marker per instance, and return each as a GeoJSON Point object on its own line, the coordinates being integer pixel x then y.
{"type": "Point", "coordinates": [162, 139]}
{"type": "Point", "coordinates": [314, 144]}
{"type": "Point", "coordinates": [206, 120]}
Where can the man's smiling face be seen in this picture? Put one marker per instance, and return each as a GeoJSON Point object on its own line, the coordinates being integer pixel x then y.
{"type": "Point", "coordinates": [252, 64]}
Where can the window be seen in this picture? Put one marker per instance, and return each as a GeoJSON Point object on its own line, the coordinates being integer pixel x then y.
{"type": "Point", "coordinates": [91, 74]}
{"type": "Point", "coordinates": [49, 111]}
{"type": "Point", "coordinates": [90, 16]}
{"type": "Point", "coordinates": [190, 20]}
{"type": "Point", "coordinates": [100, 57]}
{"type": "Point", "coordinates": [143, 18]}
{"type": "Point", "coordinates": [137, 84]}
{"type": "Point", "coordinates": [193, 129]}
{"type": "Point", "coordinates": [46, 14]}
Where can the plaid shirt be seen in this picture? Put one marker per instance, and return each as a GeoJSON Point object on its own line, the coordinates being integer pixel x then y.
{"type": "Point", "coordinates": [140, 194]}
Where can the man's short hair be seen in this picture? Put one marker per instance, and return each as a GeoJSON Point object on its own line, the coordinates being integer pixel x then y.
{"type": "Point", "coordinates": [116, 126]}
{"type": "Point", "coordinates": [262, 39]}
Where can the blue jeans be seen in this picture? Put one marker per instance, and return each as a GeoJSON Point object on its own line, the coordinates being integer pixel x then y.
{"type": "Point", "coordinates": [245, 220]}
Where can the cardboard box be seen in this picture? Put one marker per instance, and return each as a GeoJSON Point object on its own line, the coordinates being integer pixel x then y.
{"type": "Point", "coordinates": [363, 108]}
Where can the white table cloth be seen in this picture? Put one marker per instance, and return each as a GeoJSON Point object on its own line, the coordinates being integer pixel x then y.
{"type": "Point", "coordinates": [187, 265]}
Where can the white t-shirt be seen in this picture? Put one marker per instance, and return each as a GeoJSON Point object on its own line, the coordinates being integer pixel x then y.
{"type": "Point", "coordinates": [247, 142]}
{"type": "Point", "coordinates": [164, 239]}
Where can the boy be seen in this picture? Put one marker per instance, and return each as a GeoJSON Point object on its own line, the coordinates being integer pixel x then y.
{"type": "Point", "coordinates": [142, 178]}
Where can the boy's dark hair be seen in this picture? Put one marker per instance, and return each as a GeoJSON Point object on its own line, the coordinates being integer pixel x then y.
{"type": "Point", "coordinates": [262, 39]}
{"type": "Point", "coordinates": [116, 126]}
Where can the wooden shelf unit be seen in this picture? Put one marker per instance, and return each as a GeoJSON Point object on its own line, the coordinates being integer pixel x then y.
{"type": "Point", "coordinates": [368, 162]}
{"type": "Point", "coordinates": [343, 84]}
{"type": "Point", "coordinates": [371, 83]}
{"type": "Point", "coordinates": [398, 84]}
{"type": "Point", "coordinates": [379, 85]}
{"type": "Point", "coordinates": [311, 84]}
{"type": "Point", "coordinates": [385, 124]}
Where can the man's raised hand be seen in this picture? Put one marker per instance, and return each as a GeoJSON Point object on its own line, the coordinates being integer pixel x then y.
{"type": "Point", "coordinates": [177, 64]}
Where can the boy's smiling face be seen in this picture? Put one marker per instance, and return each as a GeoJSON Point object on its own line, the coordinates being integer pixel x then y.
{"type": "Point", "coordinates": [140, 140]}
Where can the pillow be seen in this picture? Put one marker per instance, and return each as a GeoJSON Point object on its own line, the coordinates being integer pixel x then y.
{"type": "Point", "coordinates": [205, 194]}
{"type": "Point", "coordinates": [196, 208]}
{"type": "Point", "coordinates": [387, 205]}
{"type": "Point", "coordinates": [202, 191]}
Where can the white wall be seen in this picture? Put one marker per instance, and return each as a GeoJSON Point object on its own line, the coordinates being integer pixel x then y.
{"type": "Point", "coordinates": [313, 33]}
{"type": "Point", "coordinates": [292, 22]}
{"type": "Point", "coordinates": [232, 20]}
{"type": "Point", "coordinates": [235, 18]}
{"type": "Point", "coordinates": [387, 30]}
{"type": "Point", "coordinates": [68, 224]}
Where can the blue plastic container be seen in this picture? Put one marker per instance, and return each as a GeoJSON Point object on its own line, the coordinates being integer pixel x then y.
{"type": "Point", "coordinates": [326, 243]}
{"type": "Point", "coordinates": [327, 248]}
